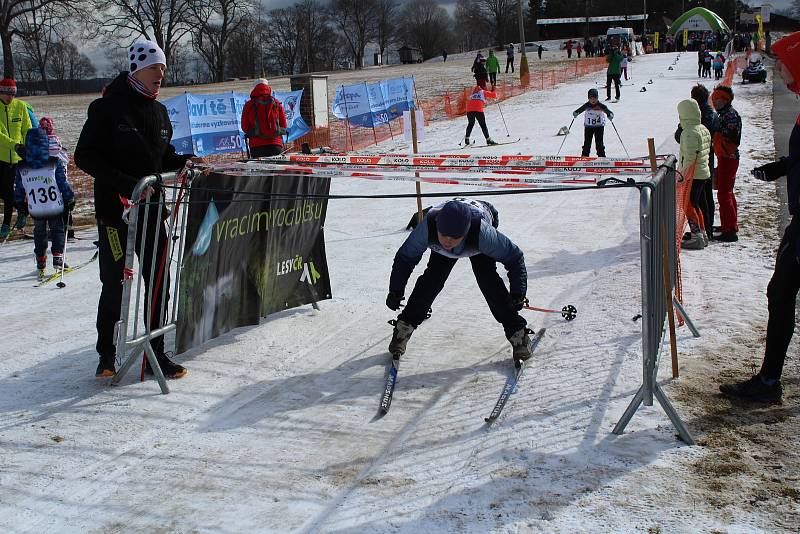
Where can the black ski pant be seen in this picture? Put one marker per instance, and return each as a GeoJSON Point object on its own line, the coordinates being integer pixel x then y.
{"type": "Point", "coordinates": [113, 241]}
{"type": "Point", "coordinates": [7, 176]}
{"type": "Point", "coordinates": [509, 63]}
{"type": "Point", "coordinates": [782, 298]}
{"type": "Point", "coordinates": [597, 133]}
{"type": "Point", "coordinates": [699, 198]}
{"type": "Point", "coordinates": [431, 282]}
{"type": "Point", "coordinates": [493, 78]}
{"type": "Point", "coordinates": [471, 116]}
{"type": "Point", "coordinates": [615, 78]}
{"type": "Point", "coordinates": [265, 151]}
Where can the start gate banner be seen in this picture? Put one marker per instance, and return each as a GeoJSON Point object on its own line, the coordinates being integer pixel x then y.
{"type": "Point", "coordinates": [212, 124]}
{"type": "Point", "coordinates": [373, 104]}
{"type": "Point", "coordinates": [254, 246]}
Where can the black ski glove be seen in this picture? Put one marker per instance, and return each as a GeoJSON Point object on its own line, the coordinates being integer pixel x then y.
{"type": "Point", "coordinates": [517, 301]}
{"type": "Point", "coordinates": [771, 171]}
{"type": "Point", "coordinates": [20, 150]}
{"type": "Point", "coordinates": [394, 300]}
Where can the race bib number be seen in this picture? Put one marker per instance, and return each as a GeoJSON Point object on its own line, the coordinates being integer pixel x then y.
{"type": "Point", "coordinates": [41, 191]}
{"type": "Point", "coordinates": [594, 118]}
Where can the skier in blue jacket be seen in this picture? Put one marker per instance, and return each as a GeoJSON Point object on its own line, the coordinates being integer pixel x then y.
{"type": "Point", "coordinates": [460, 228]}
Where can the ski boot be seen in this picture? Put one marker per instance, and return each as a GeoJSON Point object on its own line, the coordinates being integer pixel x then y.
{"type": "Point", "coordinates": [400, 336]}
{"type": "Point", "coordinates": [41, 265]}
{"type": "Point", "coordinates": [490, 141]}
{"type": "Point", "coordinates": [466, 141]}
{"type": "Point", "coordinates": [755, 389]}
{"type": "Point", "coordinates": [4, 231]}
{"type": "Point", "coordinates": [521, 345]}
{"type": "Point", "coordinates": [106, 367]}
{"type": "Point", "coordinates": [169, 368]}
{"type": "Point", "coordinates": [58, 262]}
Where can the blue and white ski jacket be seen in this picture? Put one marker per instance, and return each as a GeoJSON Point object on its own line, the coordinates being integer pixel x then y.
{"type": "Point", "coordinates": [482, 238]}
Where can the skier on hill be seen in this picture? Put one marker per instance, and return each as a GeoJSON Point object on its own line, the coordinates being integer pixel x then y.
{"type": "Point", "coordinates": [613, 72]}
{"type": "Point", "coordinates": [492, 67]}
{"type": "Point", "coordinates": [785, 283]}
{"type": "Point", "coordinates": [460, 228]}
{"type": "Point", "coordinates": [510, 57]}
{"type": "Point", "coordinates": [594, 123]}
{"type": "Point", "coordinates": [476, 103]}
{"type": "Point", "coordinates": [263, 121]}
{"type": "Point", "coordinates": [481, 74]}
{"type": "Point", "coordinates": [35, 194]}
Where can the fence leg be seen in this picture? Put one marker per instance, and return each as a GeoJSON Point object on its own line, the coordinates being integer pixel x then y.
{"type": "Point", "coordinates": [689, 323]}
{"type": "Point", "coordinates": [683, 432]}
{"type": "Point", "coordinates": [619, 428]}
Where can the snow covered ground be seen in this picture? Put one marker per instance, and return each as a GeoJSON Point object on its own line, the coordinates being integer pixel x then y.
{"type": "Point", "coordinates": [274, 429]}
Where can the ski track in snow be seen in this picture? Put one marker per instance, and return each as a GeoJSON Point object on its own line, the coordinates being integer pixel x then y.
{"type": "Point", "coordinates": [275, 427]}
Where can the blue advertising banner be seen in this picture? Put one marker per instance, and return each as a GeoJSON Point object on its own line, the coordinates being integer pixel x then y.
{"type": "Point", "coordinates": [211, 124]}
{"type": "Point", "coordinates": [372, 104]}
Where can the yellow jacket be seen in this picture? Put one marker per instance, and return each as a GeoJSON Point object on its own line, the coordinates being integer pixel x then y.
{"type": "Point", "coordinates": [14, 125]}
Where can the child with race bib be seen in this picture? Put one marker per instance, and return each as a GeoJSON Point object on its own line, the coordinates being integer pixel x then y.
{"type": "Point", "coordinates": [42, 190]}
{"type": "Point", "coordinates": [594, 122]}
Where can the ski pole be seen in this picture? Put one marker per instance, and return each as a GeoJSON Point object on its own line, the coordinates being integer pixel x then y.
{"type": "Point", "coordinates": [620, 138]}
{"type": "Point", "coordinates": [565, 136]}
{"type": "Point", "coordinates": [568, 312]}
{"type": "Point", "coordinates": [61, 283]}
{"type": "Point", "coordinates": [504, 119]}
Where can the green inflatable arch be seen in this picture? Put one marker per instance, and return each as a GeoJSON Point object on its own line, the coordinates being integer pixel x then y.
{"type": "Point", "coordinates": [699, 19]}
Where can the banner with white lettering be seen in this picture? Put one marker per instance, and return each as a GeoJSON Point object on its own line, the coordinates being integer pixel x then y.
{"type": "Point", "coordinates": [254, 246]}
{"type": "Point", "coordinates": [212, 124]}
{"type": "Point", "coordinates": [372, 104]}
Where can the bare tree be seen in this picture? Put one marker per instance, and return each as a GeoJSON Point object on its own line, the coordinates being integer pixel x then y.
{"type": "Point", "coordinates": [283, 36]}
{"type": "Point", "coordinates": [426, 27]}
{"type": "Point", "coordinates": [67, 65]}
{"type": "Point", "coordinates": [357, 23]}
{"type": "Point", "coordinates": [214, 22]}
{"type": "Point", "coordinates": [386, 28]}
{"type": "Point", "coordinates": [10, 11]}
{"type": "Point", "coordinates": [243, 50]}
{"type": "Point", "coordinates": [318, 46]}
{"type": "Point", "coordinates": [473, 29]}
{"type": "Point", "coordinates": [164, 21]}
{"type": "Point", "coordinates": [40, 29]}
{"type": "Point", "coordinates": [501, 15]}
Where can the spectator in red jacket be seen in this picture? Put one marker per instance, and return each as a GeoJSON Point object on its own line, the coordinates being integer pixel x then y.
{"type": "Point", "coordinates": [263, 121]}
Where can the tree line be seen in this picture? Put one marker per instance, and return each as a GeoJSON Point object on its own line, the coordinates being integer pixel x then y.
{"type": "Point", "coordinates": [213, 40]}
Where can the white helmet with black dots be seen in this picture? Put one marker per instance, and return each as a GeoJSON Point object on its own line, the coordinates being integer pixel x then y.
{"type": "Point", "coordinates": [142, 54]}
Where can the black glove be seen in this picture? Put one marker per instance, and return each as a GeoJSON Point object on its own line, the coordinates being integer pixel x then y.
{"type": "Point", "coordinates": [771, 171]}
{"type": "Point", "coordinates": [20, 150]}
{"type": "Point", "coordinates": [517, 301]}
{"type": "Point", "coordinates": [70, 204]}
{"type": "Point", "coordinates": [393, 300]}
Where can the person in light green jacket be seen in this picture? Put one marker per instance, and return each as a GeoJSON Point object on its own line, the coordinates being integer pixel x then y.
{"type": "Point", "coordinates": [492, 67]}
{"type": "Point", "coordinates": [693, 164]}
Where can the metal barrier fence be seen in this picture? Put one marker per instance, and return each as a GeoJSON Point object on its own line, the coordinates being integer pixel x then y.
{"type": "Point", "coordinates": [657, 219]}
{"type": "Point", "coordinates": [657, 213]}
{"type": "Point", "coordinates": [170, 215]}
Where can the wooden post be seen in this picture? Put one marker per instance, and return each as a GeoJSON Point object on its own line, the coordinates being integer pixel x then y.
{"type": "Point", "coordinates": [413, 115]}
{"type": "Point", "coordinates": [651, 146]}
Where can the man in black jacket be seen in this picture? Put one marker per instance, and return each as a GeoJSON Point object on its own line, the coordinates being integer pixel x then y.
{"type": "Point", "coordinates": [784, 285]}
{"type": "Point", "coordinates": [125, 138]}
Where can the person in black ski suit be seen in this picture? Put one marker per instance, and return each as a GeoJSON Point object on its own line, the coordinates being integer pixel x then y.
{"type": "Point", "coordinates": [125, 138]}
{"type": "Point", "coordinates": [460, 228]}
{"type": "Point", "coordinates": [785, 283]}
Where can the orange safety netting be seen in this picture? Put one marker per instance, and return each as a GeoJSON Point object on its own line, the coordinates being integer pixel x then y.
{"type": "Point", "coordinates": [341, 136]}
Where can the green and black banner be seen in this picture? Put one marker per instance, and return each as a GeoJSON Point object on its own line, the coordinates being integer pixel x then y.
{"type": "Point", "coordinates": [254, 245]}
